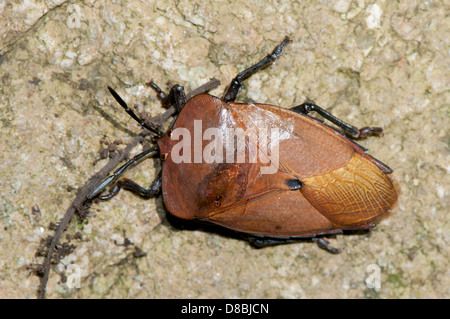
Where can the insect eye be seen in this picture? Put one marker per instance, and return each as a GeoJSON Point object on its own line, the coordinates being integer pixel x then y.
{"type": "Point", "coordinates": [164, 156]}
{"type": "Point", "coordinates": [169, 133]}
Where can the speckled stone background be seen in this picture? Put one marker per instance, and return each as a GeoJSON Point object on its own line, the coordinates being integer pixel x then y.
{"type": "Point", "coordinates": [382, 63]}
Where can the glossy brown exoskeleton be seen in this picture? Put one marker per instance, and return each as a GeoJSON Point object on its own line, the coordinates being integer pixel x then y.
{"type": "Point", "coordinates": [297, 177]}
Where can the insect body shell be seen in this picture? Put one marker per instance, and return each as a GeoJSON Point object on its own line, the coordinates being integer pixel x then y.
{"type": "Point", "coordinates": [341, 186]}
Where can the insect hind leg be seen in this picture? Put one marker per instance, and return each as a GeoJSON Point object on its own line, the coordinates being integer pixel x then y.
{"type": "Point", "coordinates": [264, 241]}
{"type": "Point", "coordinates": [351, 130]}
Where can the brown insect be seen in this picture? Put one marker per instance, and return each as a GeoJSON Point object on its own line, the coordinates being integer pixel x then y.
{"type": "Point", "coordinates": [303, 179]}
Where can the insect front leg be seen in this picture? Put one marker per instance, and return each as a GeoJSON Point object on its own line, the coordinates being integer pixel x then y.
{"type": "Point", "coordinates": [176, 96]}
{"type": "Point", "coordinates": [353, 131]}
{"type": "Point", "coordinates": [128, 184]}
{"type": "Point", "coordinates": [154, 189]}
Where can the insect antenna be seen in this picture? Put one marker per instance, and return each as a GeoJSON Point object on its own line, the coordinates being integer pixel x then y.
{"type": "Point", "coordinates": [133, 115]}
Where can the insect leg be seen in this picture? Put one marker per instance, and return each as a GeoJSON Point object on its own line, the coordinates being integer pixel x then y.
{"type": "Point", "coordinates": [354, 132]}
{"type": "Point", "coordinates": [110, 179]}
{"type": "Point", "coordinates": [176, 96]}
{"type": "Point", "coordinates": [236, 83]}
{"type": "Point", "coordinates": [141, 122]}
{"type": "Point", "coordinates": [325, 244]}
{"type": "Point", "coordinates": [264, 241]}
{"type": "Point", "coordinates": [161, 95]}
{"type": "Point", "coordinates": [125, 183]}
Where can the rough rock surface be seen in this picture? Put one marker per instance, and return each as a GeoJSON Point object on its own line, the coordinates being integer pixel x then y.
{"type": "Point", "coordinates": [379, 63]}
